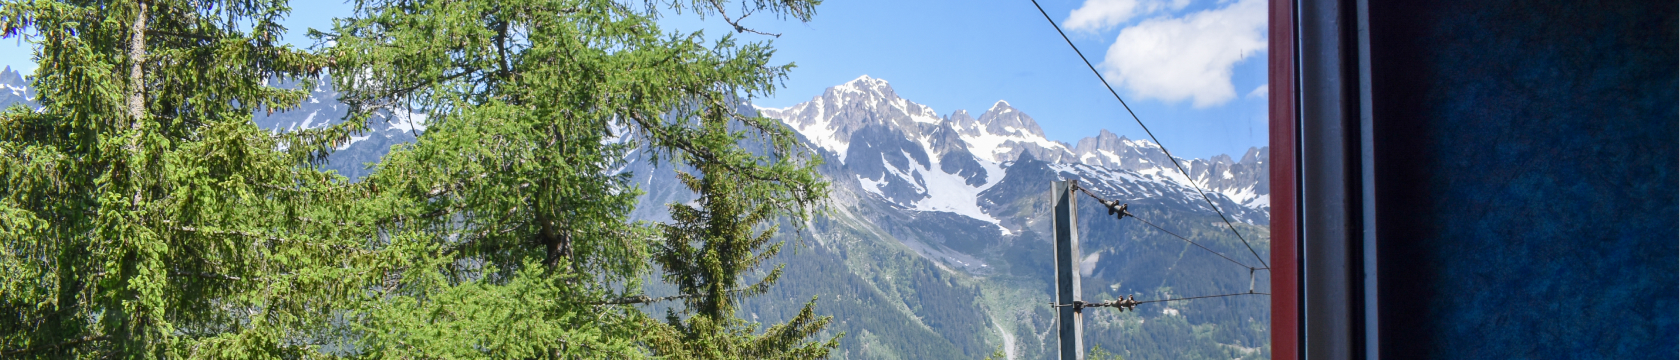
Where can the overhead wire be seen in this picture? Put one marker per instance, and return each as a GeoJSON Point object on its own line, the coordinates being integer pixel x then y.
{"type": "Point", "coordinates": [1127, 303]}
{"type": "Point", "coordinates": [1228, 258]}
{"type": "Point", "coordinates": [1201, 297]}
{"type": "Point", "coordinates": [1124, 213]}
{"type": "Point", "coordinates": [1151, 134]}
{"type": "Point", "coordinates": [1130, 304]}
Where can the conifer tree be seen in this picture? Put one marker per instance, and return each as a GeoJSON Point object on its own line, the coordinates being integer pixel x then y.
{"type": "Point", "coordinates": [710, 248]}
{"type": "Point", "coordinates": [143, 214]}
{"type": "Point", "coordinates": [509, 208]}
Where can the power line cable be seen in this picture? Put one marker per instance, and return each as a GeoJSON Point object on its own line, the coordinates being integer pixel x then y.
{"type": "Point", "coordinates": [1152, 137]}
{"type": "Point", "coordinates": [1128, 303]}
{"type": "Point", "coordinates": [1228, 258]}
{"type": "Point", "coordinates": [1201, 297]}
{"type": "Point", "coordinates": [1115, 207]}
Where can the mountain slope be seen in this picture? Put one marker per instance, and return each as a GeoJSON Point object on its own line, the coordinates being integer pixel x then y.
{"type": "Point", "coordinates": [919, 195]}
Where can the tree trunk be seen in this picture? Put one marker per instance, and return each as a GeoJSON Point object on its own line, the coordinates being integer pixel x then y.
{"type": "Point", "coordinates": [136, 76]}
{"type": "Point", "coordinates": [136, 89]}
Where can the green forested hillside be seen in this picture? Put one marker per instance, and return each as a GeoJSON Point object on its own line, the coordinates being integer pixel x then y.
{"type": "Point", "coordinates": [895, 302]}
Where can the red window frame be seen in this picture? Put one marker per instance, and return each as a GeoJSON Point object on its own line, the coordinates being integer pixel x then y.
{"type": "Point", "coordinates": [1284, 244]}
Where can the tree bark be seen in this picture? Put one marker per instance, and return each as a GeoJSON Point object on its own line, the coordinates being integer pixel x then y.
{"type": "Point", "coordinates": [136, 89]}
{"type": "Point", "coordinates": [136, 74]}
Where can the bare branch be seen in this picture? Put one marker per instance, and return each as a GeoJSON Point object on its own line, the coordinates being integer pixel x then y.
{"type": "Point", "coordinates": [736, 22]}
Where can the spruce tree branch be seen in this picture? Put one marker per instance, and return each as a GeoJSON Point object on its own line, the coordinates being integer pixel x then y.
{"type": "Point", "coordinates": [372, 102]}
{"type": "Point", "coordinates": [340, 224]}
{"type": "Point", "coordinates": [480, 236]}
{"type": "Point", "coordinates": [208, 275]}
{"type": "Point", "coordinates": [705, 155]}
{"type": "Point", "coordinates": [251, 235]}
{"type": "Point", "coordinates": [74, 342]}
{"type": "Point", "coordinates": [644, 299]}
{"type": "Point", "coordinates": [309, 190]}
{"type": "Point", "coordinates": [180, 34]}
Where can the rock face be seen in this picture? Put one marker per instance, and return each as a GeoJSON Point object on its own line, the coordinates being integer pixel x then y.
{"type": "Point", "coordinates": [14, 89]}
{"type": "Point", "coordinates": [895, 146]}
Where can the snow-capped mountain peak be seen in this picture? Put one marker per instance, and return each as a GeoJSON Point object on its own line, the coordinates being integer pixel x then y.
{"type": "Point", "coordinates": [866, 84]}
{"type": "Point", "coordinates": [1002, 133]}
{"type": "Point", "coordinates": [1002, 118]}
{"type": "Point", "coordinates": [910, 155]}
{"type": "Point", "coordinates": [830, 120]}
{"type": "Point", "coordinates": [15, 89]}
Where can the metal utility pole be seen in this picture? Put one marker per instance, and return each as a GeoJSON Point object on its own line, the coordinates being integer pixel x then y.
{"type": "Point", "coordinates": [1068, 303]}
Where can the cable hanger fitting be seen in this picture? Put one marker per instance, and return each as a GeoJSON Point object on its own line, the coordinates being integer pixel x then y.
{"type": "Point", "coordinates": [1122, 304]}
{"type": "Point", "coordinates": [1115, 208]}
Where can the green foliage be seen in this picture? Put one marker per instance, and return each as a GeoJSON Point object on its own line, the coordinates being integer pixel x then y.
{"type": "Point", "coordinates": [711, 245]}
{"type": "Point", "coordinates": [144, 215]}
{"type": "Point", "coordinates": [1097, 353]}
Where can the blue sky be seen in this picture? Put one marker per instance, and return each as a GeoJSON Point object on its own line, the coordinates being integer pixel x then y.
{"type": "Point", "coordinates": [1189, 68]}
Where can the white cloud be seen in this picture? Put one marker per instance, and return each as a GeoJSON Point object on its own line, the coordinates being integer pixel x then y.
{"type": "Point", "coordinates": [1260, 91]}
{"type": "Point", "coordinates": [1098, 15]}
{"type": "Point", "coordinates": [1188, 57]}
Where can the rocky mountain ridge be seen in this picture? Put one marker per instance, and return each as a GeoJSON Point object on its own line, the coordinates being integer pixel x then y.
{"type": "Point", "coordinates": [14, 89]}
{"type": "Point", "coordinates": [866, 125]}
